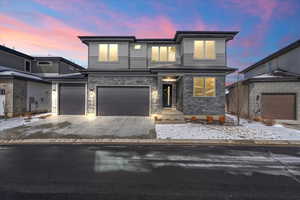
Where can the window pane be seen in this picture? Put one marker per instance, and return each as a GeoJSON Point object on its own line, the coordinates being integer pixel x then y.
{"type": "Point", "coordinates": [172, 54]}
{"type": "Point", "coordinates": [210, 49]}
{"type": "Point", "coordinates": [198, 49]}
{"type": "Point", "coordinates": [154, 55]}
{"type": "Point", "coordinates": [113, 52]}
{"type": "Point", "coordinates": [210, 87]}
{"type": "Point", "coordinates": [103, 50]}
{"type": "Point", "coordinates": [163, 57]}
{"type": "Point", "coordinates": [198, 86]}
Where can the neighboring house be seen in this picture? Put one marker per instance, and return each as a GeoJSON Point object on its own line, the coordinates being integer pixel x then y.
{"type": "Point", "coordinates": [23, 84]}
{"type": "Point", "coordinates": [271, 87]}
{"type": "Point", "coordinates": [51, 66]}
{"type": "Point", "coordinates": [142, 77]}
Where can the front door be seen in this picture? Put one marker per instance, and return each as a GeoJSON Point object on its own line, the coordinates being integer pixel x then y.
{"type": "Point", "coordinates": [167, 95]}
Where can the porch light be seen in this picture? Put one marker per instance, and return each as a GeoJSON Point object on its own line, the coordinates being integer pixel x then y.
{"type": "Point", "coordinates": [154, 94]}
{"type": "Point", "coordinates": [91, 93]}
{"type": "Point", "coordinates": [169, 79]}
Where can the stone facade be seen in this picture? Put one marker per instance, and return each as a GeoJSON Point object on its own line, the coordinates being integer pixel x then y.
{"type": "Point", "coordinates": [203, 105]}
{"type": "Point", "coordinates": [95, 81]}
{"type": "Point", "coordinates": [256, 89]}
{"type": "Point", "coordinates": [182, 93]}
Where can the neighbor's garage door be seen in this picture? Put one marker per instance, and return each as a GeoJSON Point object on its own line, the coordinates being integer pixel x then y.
{"type": "Point", "coordinates": [279, 106]}
{"type": "Point", "coordinates": [72, 99]}
{"type": "Point", "coordinates": [113, 101]}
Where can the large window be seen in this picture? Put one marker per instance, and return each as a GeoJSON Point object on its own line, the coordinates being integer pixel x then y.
{"type": "Point", "coordinates": [108, 53]}
{"type": "Point", "coordinates": [27, 67]}
{"type": "Point", "coordinates": [204, 87]}
{"type": "Point", "coordinates": [163, 54]}
{"type": "Point", "coordinates": [204, 49]}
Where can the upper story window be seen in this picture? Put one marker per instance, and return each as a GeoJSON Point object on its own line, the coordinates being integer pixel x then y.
{"type": "Point", "coordinates": [137, 47]}
{"type": "Point", "coordinates": [108, 53]}
{"type": "Point", "coordinates": [27, 66]}
{"type": "Point", "coordinates": [44, 63]}
{"type": "Point", "coordinates": [163, 54]}
{"type": "Point", "coordinates": [204, 87]}
{"type": "Point", "coordinates": [204, 49]}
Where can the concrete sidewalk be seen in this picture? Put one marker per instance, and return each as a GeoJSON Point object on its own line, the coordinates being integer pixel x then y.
{"type": "Point", "coordinates": [154, 142]}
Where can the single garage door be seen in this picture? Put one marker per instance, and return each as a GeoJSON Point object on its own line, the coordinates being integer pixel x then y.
{"type": "Point", "coordinates": [279, 106]}
{"type": "Point", "coordinates": [126, 101]}
{"type": "Point", "coordinates": [72, 99]}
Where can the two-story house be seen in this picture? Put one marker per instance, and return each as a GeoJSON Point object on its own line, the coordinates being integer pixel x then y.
{"type": "Point", "coordinates": [141, 77]}
{"type": "Point", "coordinates": [25, 81]}
{"type": "Point", "coordinates": [271, 87]}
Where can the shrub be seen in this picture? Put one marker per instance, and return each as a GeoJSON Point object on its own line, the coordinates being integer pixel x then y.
{"type": "Point", "coordinates": [194, 118]}
{"type": "Point", "coordinates": [257, 119]}
{"type": "Point", "coordinates": [209, 119]}
{"type": "Point", "coordinates": [269, 122]}
{"type": "Point", "coordinates": [222, 119]}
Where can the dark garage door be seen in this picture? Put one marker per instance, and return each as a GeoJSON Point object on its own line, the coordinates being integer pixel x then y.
{"type": "Point", "coordinates": [128, 101]}
{"type": "Point", "coordinates": [279, 106]}
{"type": "Point", "coordinates": [72, 99]}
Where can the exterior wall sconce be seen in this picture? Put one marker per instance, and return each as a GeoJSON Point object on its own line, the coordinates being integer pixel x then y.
{"type": "Point", "coordinates": [154, 94]}
{"type": "Point", "coordinates": [169, 79]}
{"type": "Point", "coordinates": [92, 92]}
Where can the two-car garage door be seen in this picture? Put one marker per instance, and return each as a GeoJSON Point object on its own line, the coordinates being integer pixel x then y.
{"type": "Point", "coordinates": [126, 101]}
{"type": "Point", "coordinates": [111, 101]}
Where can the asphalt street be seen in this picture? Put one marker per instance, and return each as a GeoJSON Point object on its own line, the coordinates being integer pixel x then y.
{"type": "Point", "coordinates": [136, 172]}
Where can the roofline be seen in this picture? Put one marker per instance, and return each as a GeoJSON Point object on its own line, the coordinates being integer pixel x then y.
{"type": "Point", "coordinates": [273, 55]}
{"type": "Point", "coordinates": [62, 59]}
{"type": "Point", "coordinates": [15, 52]}
{"type": "Point", "coordinates": [23, 78]}
{"type": "Point", "coordinates": [227, 34]}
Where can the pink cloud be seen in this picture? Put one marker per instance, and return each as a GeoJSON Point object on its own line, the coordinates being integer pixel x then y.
{"type": "Point", "coordinates": [159, 26]}
{"type": "Point", "coordinates": [50, 36]}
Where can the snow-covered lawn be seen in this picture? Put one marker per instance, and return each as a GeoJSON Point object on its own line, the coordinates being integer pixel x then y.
{"type": "Point", "coordinates": [247, 131]}
{"type": "Point", "coordinates": [19, 121]}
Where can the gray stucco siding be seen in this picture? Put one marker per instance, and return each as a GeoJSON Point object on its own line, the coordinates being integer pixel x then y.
{"type": "Point", "coordinates": [188, 53]}
{"type": "Point", "coordinates": [289, 61]}
{"type": "Point", "coordinates": [95, 64]}
{"type": "Point", "coordinates": [12, 61]}
{"type": "Point", "coordinates": [7, 85]}
{"type": "Point", "coordinates": [95, 81]}
{"type": "Point", "coordinates": [203, 105]}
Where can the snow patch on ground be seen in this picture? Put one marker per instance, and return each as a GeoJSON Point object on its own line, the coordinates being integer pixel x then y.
{"type": "Point", "coordinates": [19, 121]}
{"type": "Point", "coordinates": [246, 131]}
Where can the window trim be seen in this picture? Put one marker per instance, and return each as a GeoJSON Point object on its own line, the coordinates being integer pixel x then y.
{"type": "Point", "coordinates": [50, 63]}
{"type": "Point", "coordinates": [25, 65]}
{"type": "Point", "coordinates": [108, 53]}
{"type": "Point", "coordinates": [205, 77]}
{"type": "Point", "coordinates": [159, 61]}
{"type": "Point", "coordinates": [204, 50]}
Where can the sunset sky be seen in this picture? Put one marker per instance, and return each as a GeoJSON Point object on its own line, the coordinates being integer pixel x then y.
{"type": "Point", "coordinates": [51, 27]}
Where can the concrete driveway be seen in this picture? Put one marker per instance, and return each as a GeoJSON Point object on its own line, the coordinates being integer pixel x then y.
{"type": "Point", "coordinates": [84, 127]}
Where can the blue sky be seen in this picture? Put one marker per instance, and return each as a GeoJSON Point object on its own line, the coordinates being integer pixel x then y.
{"type": "Point", "coordinates": [51, 27]}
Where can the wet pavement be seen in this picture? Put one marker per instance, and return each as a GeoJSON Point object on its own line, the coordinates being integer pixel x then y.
{"type": "Point", "coordinates": [134, 172]}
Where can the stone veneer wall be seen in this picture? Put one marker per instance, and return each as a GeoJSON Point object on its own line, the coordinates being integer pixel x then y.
{"type": "Point", "coordinates": [203, 105]}
{"type": "Point", "coordinates": [95, 80]}
{"type": "Point", "coordinates": [256, 90]}
{"type": "Point", "coordinates": [19, 96]}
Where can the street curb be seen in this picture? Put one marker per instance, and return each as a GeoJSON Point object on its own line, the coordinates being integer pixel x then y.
{"type": "Point", "coordinates": [154, 142]}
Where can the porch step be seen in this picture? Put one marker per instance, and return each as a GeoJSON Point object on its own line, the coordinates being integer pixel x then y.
{"type": "Point", "coordinates": [172, 115]}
